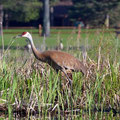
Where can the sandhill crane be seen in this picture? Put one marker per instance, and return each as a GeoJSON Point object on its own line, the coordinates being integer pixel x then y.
{"type": "Point", "coordinates": [58, 60]}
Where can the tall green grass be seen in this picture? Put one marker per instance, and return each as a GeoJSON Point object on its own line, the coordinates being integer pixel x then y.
{"type": "Point", "coordinates": [30, 84]}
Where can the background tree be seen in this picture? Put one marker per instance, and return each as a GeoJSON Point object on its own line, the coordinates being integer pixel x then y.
{"type": "Point", "coordinates": [23, 10]}
{"type": "Point", "coordinates": [1, 14]}
{"type": "Point", "coordinates": [46, 18]}
{"type": "Point", "coordinates": [1, 18]}
{"type": "Point", "coordinates": [27, 10]}
{"type": "Point", "coordinates": [93, 12]}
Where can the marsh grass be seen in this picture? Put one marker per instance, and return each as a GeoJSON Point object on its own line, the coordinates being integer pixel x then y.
{"type": "Point", "coordinates": [29, 87]}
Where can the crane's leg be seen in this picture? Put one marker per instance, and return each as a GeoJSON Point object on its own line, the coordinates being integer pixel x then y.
{"type": "Point", "coordinates": [71, 87]}
{"type": "Point", "coordinates": [70, 81]}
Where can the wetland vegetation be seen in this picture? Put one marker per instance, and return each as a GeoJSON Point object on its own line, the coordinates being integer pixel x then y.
{"type": "Point", "coordinates": [30, 88]}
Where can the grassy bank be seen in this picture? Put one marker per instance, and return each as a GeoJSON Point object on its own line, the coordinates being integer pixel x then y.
{"type": "Point", "coordinates": [33, 87]}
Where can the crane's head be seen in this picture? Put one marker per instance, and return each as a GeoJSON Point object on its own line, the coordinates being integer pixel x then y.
{"type": "Point", "coordinates": [24, 34]}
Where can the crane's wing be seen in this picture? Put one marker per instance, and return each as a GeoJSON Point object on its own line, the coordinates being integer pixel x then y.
{"type": "Point", "coordinates": [64, 60]}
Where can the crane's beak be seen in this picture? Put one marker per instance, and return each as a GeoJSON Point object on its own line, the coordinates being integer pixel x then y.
{"type": "Point", "coordinates": [18, 36]}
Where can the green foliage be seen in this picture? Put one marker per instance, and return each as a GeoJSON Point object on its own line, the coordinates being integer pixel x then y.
{"type": "Point", "coordinates": [94, 12]}
{"type": "Point", "coordinates": [5, 1]}
{"type": "Point", "coordinates": [22, 10]}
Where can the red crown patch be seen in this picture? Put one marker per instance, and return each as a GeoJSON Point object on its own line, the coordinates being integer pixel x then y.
{"type": "Point", "coordinates": [24, 33]}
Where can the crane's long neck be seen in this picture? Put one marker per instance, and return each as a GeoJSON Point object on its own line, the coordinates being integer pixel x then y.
{"type": "Point", "coordinates": [37, 53]}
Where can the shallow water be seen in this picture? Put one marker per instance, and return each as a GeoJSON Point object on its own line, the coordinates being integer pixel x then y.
{"type": "Point", "coordinates": [77, 115]}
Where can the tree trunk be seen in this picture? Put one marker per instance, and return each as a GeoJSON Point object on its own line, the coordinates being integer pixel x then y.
{"type": "Point", "coordinates": [1, 18]}
{"type": "Point", "coordinates": [46, 18]}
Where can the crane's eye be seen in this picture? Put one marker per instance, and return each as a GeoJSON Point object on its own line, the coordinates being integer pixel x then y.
{"type": "Point", "coordinates": [24, 33]}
